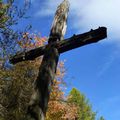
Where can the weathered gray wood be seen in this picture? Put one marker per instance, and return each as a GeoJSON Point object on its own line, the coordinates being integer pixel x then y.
{"type": "Point", "coordinates": [64, 45]}
{"type": "Point", "coordinates": [40, 96]}
{"type": "Point", "coordinates": [39, 101]}
{"type": "Point", "coordinates": [59, 24]}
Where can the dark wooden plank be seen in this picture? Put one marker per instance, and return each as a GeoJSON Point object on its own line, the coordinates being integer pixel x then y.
{"type": "Point", "coordinates": [76, 41]}
{"type": "Point", "coordinates": [64, 45]}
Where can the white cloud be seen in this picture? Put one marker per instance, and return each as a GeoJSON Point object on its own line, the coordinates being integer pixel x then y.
{"type": "Point", "coordinates": [89, 14]}
{"type": "Point", "coordinates": [108, 62]}
{"type": "Point", "coordinates": [48, 8]}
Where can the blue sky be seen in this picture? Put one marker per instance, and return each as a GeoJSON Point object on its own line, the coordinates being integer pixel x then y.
{"type": "Point", "coordinates": [93, 69]}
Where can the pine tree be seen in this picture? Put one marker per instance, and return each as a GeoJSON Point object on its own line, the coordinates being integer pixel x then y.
{"type": "Point", "coordinates": [84, 108]}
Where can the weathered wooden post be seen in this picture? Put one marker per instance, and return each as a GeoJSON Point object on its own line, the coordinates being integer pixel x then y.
{"type": "Point", "coordinates": [39, 100]}
{"type": "Point", "coordinates": [56, 44]}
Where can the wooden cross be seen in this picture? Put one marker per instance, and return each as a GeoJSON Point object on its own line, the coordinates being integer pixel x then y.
{"type": "Point", "coordinates": [56, 45]}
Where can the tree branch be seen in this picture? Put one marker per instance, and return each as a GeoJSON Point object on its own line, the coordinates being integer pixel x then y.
{"type": "Point", "coordinates": [65, 45]}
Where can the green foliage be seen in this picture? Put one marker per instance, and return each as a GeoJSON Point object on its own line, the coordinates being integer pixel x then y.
{"type": "Point", "coordinates": [101, 118]}
{"type": "Point", "coordinates": [3, 14]}
{"type": "Point", "coordinates": [15, 90]}
{"type": "Point", "coordinates": [84, 108]}
{"type": "Point", "coordinates": [10, 16]}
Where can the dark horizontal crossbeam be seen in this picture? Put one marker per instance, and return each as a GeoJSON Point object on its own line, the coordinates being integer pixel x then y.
{"type": "Point", "coordinates": [82, 39]}
{"type": "Point", "coordinates": [65, 45]}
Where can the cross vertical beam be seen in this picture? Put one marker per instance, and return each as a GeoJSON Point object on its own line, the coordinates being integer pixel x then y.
{"type": "Point", "coordinates": [39, 101]}
{"type": "Point", "coordinates": [40, 97]}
